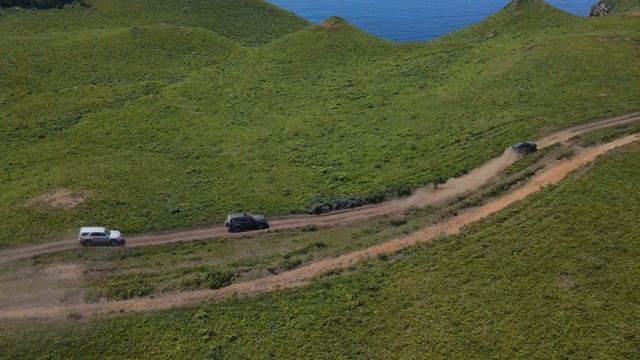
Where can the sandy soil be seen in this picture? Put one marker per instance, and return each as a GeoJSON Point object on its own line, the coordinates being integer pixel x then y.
{"type": "Point", "coordinates": [302, 275]}
{"type": "Point", "coordinates": [38, 287]}
{"type": "Point", "coordinates": [63, 198]}
{"type": "Point", "coordinates": [332, 24]}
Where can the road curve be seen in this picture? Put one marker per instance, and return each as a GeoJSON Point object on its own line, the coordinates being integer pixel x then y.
{"type": "Point", "coordinates": [420, 198]}
{"type": "Point", "coordinates": [302, 275]}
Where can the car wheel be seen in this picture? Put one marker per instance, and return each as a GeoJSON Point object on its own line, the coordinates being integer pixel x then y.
{"type": "Point", "coordinates": [235, 228]}
{"type": "Point", "coordinates": [87, 243]}
{"type": "Point", "coordinates": [114, 243]}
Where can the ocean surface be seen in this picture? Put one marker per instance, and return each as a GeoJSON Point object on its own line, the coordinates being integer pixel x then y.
{"type": "Point", "coordinates": [411, 20]}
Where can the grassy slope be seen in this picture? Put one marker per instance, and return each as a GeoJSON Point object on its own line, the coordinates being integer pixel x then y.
{"type": "Point", "coordinates": [122, 273]}
{"type": "Point", "coordinates": [60, 68]}
{"type": "Point", "coordinates": [153, 120]}
{"type": "Point", "coordinates": [555, 276]}
{"type": "Point", "coordinates": [625, 6]}
{"type": "Point", "coordinates": [251, 22]}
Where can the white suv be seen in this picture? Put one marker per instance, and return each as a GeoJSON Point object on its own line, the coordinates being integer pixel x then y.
{"type": "Point", "coordinates": [92, 236]}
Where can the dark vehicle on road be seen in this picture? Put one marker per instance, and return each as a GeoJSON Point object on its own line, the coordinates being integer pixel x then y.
{"type": "Point", "coordinates": [245, 222]}
{"type": "Point", "coordinates": [525, 147]}
{"type": "Point", "coordinates": [94, 236]}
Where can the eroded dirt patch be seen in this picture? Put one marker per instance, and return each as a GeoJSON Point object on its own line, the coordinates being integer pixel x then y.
{"type": "Point", "coordinates": [34, 286]}
{"type": "Point", "coordinates": [333, 23]}
{"type": "Point", "coordinates": [62, 199]}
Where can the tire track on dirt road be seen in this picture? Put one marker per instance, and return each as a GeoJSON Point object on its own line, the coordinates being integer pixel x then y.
{"type": "Point", "coordinates": [304, 274]}
{"type": "Point", "coordinates": [421, 198]}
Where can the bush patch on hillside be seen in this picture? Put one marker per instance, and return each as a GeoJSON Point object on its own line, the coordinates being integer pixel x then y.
{"type": "Point", "coordinates": [205, 277]}
{"type": "Point", "coordinates": [122, 287]}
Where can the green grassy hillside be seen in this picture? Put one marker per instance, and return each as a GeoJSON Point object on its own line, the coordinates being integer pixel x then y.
{"type": "Point", "coordinates": [624, 6]}
{"type": "Point", "coordinates": [251, 22]}
{"type": "Point", "coordinates": [123, 273]}
{"type": "Point", "coordinates": [555, 276]}
{"type": "Point", "coordinates": [175, 125]}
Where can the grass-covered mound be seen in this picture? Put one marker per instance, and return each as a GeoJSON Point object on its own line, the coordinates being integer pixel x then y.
{"type": "Point", "coordinates": [555, 276]}
{"type": "Point", "coordinates": [251, 22]}
{"type": "Point", "coordinates": [174, 125]}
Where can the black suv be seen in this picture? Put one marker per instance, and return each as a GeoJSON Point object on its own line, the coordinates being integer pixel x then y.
{"type": "Point", "coordinates": [525, 147]}
{"type": "Point", "coordinates": [245, 222]}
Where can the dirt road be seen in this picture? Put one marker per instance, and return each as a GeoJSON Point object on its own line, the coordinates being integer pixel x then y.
{"type": "Point", "coordinates": [421, 198]}
{"type": "Point", "coordinates": [302, 275]}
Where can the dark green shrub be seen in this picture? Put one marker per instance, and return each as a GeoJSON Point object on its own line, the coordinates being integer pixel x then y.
{"type": "Point", "coordinates": [291, 263]}
{"type": "Point", "coordinates": [217, 279]}
{"type": "Point", "coordinates": [397, 222]}
{"type": "Point", "coordinates": [203, 277]}
{"type": "Point", "coordinates": [123, 287]}
{"type": "Point", "coordinates": [399, 190]}
{"type": "Point", "coordinates": [307, 249]}
{"type": "Point", "coordinates": [311, 228]}
{"type": "Point", "coordinates": [321, 206]}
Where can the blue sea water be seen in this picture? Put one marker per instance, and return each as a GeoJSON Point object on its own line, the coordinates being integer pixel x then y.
{"type": "Point", "coordinates": [411, 20]}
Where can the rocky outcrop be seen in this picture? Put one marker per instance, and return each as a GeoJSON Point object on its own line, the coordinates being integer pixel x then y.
{"type": "Point", "coordinates": [334, 22]}
{"type": "Point", "coordinates": [603, 8]}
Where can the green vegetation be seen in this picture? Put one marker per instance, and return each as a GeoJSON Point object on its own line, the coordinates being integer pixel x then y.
{"type": "Point", "coordinates": [624, 6]}
{"type": "Point", "coordinates": [169, 114]}
{"type": "Point", "coordinates": [124, 273]}
{"type": "Point", "coordinates": [250, 22]}
{"type": "Point", "coordinates": [164, 119]}
{"type": "Point", "coordinates": [554, 276]}
{"type": "Point", "coordinates": [606, 135]}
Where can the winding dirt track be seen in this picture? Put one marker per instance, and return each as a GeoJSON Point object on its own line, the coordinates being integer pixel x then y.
{"type": "Point", "coordinates": [302, 275]}
{"type": "Point", "coordinates": [421, 198]}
